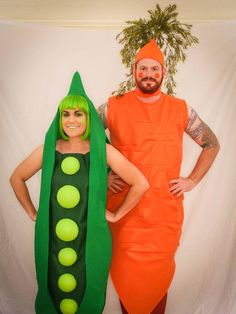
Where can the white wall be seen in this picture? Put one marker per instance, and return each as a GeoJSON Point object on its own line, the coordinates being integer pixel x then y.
{"type": "Point", "coordinates": [36, 66]}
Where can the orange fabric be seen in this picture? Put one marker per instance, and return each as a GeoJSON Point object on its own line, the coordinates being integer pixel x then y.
{"type": "Point", "coordinates": [145, 240]}
{"type": "Point", "coordinates": [152, 51]}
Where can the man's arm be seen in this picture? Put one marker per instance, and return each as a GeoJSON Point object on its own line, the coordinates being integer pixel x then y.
{"type": "Point", "coordinates": [115, 183]}
{"type": "Point", "coordinates": [200, 132]}
{"type": "Point", "coordinates": [102, 112]}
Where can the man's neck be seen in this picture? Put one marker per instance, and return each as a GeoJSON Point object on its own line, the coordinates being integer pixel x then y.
{"type": "Point", "coordinates": [146, 97]}
{"type": "Point", "coordinates": [150, 99]}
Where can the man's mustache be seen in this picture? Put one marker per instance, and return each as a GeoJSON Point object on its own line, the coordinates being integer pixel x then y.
{"type": "Point", "coordinates": [148, 79]}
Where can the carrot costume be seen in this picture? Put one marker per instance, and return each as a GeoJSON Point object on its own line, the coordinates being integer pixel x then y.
{"type": "Point", "coordinates": [146, 239]}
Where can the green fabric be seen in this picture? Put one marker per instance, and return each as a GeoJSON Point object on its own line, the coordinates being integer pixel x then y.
{"type": "Point", "coordinates": [78, 214]}
{"type": "Point", "coordinates": [98, 242]}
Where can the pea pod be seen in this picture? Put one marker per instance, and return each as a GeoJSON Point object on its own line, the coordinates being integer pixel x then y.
{"type": "Point", "coordinates": [97, 247]}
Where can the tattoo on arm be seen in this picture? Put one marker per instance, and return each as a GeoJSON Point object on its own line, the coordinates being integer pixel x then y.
{"type": "Point", "coordinates": [191, 119]}
{"type": "Point", "coordinates": [209, 139]}
{"type": "Point", "coordinates": [200, 131]}
{"type": "Point", "coordinates": [102, 112]}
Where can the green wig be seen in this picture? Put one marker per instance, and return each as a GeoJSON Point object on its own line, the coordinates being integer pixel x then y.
{"type": "Point", "coordinates": [74, 102]}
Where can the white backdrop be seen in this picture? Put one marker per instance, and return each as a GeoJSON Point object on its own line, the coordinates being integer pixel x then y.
{"type": "Point", "coordinates": [36, 66]}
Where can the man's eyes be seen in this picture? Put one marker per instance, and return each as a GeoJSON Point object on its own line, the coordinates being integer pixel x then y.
{"type": "Point", "coordinates": [153, 69]}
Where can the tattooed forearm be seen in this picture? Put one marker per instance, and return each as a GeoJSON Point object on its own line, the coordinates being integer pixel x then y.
{"type": "Point", "coordinates": [200, 131]}
{"type": "Point", "coordinates": [102, 112]}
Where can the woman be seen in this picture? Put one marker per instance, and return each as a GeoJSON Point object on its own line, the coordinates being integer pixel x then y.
{"type": "Point", "coordinates": [72, 240]}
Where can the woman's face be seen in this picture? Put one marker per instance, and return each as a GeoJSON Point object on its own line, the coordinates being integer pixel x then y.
{"type": "Point", "coordinates": [74, 122]}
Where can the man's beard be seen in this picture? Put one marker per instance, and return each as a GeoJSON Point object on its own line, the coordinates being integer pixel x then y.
{"type": "Point", "coordinates": [149, 89]}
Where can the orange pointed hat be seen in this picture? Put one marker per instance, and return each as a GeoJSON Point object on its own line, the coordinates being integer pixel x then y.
{"type": "Point", "coordinates": [151, 51]}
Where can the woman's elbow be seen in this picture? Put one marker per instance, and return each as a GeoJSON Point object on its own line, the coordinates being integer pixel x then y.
{"type": "Point", "coordinates": [11, 179]}
{"type": "Point", "coordinates": [14, 179]}
{"type": "Point", "coordinates": [145, 185]}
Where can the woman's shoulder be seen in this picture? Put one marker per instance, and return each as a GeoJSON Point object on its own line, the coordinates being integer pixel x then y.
{"type": "Point", "coordinates": [38, 150]}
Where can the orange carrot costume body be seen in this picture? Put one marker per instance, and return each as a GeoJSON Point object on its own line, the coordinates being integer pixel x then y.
{"type": "Point", "coordinates": [146, 239]}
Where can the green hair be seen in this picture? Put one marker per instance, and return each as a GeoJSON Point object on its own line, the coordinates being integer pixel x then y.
{"type": "Point", "coordinates": [74, 102]}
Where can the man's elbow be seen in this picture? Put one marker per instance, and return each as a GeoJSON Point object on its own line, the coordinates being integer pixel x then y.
{"type": "Point", "coordinates": [216, 147]}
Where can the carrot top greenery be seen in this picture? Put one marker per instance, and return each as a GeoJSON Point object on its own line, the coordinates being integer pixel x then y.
{"type": "Point", "coordinates": [172, 36]}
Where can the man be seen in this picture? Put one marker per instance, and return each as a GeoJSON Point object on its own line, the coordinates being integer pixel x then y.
{"type": "Point", "coordinates": [147, 126]}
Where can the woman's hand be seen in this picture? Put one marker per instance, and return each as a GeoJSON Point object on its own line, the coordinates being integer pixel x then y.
{"type": "Point", "coordinates": [110, 217]}
{"type": "Point", "coordinates": [33, 215]}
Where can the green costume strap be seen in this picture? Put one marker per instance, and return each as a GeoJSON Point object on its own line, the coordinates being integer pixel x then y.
{"type": "Point", "coordinates": [98, 241]}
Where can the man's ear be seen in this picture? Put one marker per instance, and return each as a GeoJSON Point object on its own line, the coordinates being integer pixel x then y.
{"type": "Point", "coordinates": [163, 71]}
{"type": "Point", "coordinates": [134, 73]}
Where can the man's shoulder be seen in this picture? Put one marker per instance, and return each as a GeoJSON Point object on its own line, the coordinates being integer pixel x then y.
{"type": "Point", "coordinates": [120, 98]}
{"type": "Point", "coordinates": [173, 98]}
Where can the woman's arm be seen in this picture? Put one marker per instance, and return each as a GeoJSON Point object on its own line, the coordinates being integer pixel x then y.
{"type": "Point", "coordinates": [132, 176]}
{"type": "Point", "coordinates": [25, 170]}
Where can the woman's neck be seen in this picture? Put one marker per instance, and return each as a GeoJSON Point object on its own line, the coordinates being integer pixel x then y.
{"type": "Point", "coordinates": [73, 145]}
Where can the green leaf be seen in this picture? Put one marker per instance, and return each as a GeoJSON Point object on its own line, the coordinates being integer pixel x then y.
{"type": "Point", "coordinates": [172, 36]}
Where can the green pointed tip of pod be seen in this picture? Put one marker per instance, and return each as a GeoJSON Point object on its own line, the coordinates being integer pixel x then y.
{"type": "Point", "coordinates": [68, 196]}
{"type": "Point", "coordinates": [68, 306]}
{"type": "Point", "coordinates": [67, 282]}
{"type": "Point", "coordinates": [70, 165]}
{"type": "Point", "coordinates": [67, 256]}
{"type": "Point", "coordinates": [67, 229]}
{"type": "Point", "coordinates": [76, 87]}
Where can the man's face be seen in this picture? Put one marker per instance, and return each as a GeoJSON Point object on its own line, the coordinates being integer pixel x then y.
{"type": "Point", "coordinates": [149, 75]}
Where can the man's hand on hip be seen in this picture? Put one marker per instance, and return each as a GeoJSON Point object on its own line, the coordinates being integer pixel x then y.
{"type": "Point", "coordinates": [115, 183]}
{"type": "Point", "coordinates": [181, 185]}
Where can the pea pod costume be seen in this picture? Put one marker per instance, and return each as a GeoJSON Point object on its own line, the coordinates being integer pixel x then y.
{"type": "Point", "coordinates": [98, 243]}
